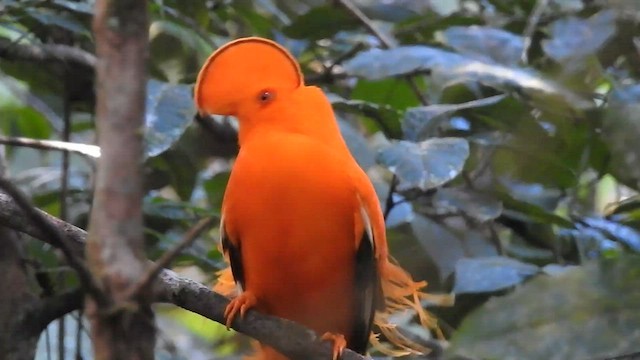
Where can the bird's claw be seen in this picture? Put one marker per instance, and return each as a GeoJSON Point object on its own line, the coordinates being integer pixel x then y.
{"type": "Point", "coordinates": [242, 303]}
{"type": "Point", "coordinates": [339, 343]}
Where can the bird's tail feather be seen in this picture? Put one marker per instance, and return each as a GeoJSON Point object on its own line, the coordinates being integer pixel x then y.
{"type": "Point", "coordinates": [402, 294]}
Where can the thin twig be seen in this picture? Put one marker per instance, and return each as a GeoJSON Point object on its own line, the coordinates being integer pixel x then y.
{"type": "Point", "coordinates": [72, 257]}
{"type": "Point", "coordinates": [385, 40]}
{"type": "Point", "coordinates": [532, 23]}
{"type": "Point", "coordinates": [389, 203]}
{"type": "Point", "coordinates": [168, 256]}
{"type": "Point", "coordinates": [90, 151]}
{"type": "Point", "coordinates": [357, 13]}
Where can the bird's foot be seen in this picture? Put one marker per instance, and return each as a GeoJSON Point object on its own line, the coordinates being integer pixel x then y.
{"type": "Point", "coordinates": [339, 343]}
{"type": "Point", "coordinates": [242, 303]}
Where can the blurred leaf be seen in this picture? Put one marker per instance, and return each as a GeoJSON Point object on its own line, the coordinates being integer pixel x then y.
{"type": "Point", "coordinates": [573, 38]}
{"type": "Point", "coordinates": [24, 121]}
{"type": "Point", "coordinates": [531, 212]}
{"type": "Point", "coordinates": [215, 187]}
{"type": "Point", "coordinates": [386, 117]}
{"type": "Point", "coordinates": [621, 130]}
{"type": "Point", "coordinates": [320, 22]}
{"type": "Point", "coordinates": [485, 43]}
{"type": "Point", "coordinates": [170, 209]}
{"type": "Point", "coordinates": [450, 68]}
{"type": "Point", "coordinates": [75, 6]}
{"type": "Point", "coordinates": [421, 122]}
{"type": "Point", "coordinates": [391, 11]}
{"type": "Point", "coordinates": [427, 164]}
{"type": "Point", "coordinates": [479, 206]}
{"type": "Point", "coordinates": [589, 312]}
{"type": "Point", "coordinates": [170, 110]}
{"type": "Point", "coordinates": [358, 145]}
{"type": "Point", "coordinates": [176, 51]}
{"type": "Point", "coordinates": [615, 231]}
{"type": "Point", "coordinates": [442, 245]}
{"type": "Point", "coordinates": [60, 19]}
{"type": "Point", "coordinates": [591, 243]}
{"type": "Point", "coordinates": [393, 92]}
{"type": "Point", "coordinates": [488, 274]}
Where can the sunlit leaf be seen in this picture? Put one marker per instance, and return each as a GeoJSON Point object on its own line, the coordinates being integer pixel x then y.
{"type": "Point", "coordinates": [421, 122]}
{"type": "Point", "coordinates": [488, 274]}
{"type": "Point", "coordinates": [485, 43]}
{"type": "Point", "coordinates": [427, 164]}
{"type": "Point", "coordinates": [590, 312]}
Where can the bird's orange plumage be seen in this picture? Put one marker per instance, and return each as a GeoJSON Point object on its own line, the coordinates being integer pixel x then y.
{"type": "Point", "coordinates": [299, 214]}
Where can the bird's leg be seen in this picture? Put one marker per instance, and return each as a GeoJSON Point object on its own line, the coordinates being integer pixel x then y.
{"type": "Point", "coordinates": [339, 343]}
{"type": "Point", "coordinates": [242, 303]}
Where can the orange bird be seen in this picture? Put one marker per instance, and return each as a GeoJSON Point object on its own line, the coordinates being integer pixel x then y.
{"type": "Point", "coordinates": [301, 224]}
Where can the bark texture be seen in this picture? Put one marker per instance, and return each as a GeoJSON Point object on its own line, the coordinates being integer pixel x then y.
{"type": "Point", "coordinates": [121, 328]}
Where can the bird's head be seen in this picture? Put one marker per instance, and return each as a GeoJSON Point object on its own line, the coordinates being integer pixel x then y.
{"type": "Point", "coordinates": [245, 75]}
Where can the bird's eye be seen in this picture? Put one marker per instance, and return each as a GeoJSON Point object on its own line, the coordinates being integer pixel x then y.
{"type": "Point", "coordinates": [266, 96]}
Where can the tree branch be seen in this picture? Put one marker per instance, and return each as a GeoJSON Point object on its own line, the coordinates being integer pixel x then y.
{"type": "Point", "coordinates": [288, 337]}
{"type": "Point", "coordinates": [42, 313]}
{"type": "Point", "coordinates": [46, 52]}
{"type": "Point", "coordinates": [91, 151]}
{"type": "Point", "coordinates": [168, 256]}
{"type": "Point", "coordinates": [55, 238]}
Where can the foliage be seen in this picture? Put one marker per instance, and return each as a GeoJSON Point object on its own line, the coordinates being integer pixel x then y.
{"type": "Point", "coordinates": [500, 135]}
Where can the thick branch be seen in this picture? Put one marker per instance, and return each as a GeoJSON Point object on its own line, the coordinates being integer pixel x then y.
{"type": "Point", "coordinates": [286, 336]}
{"type": "Point", "coordinates": [45, 52]}
{"type": "Point", "coordinates": [43, 312]}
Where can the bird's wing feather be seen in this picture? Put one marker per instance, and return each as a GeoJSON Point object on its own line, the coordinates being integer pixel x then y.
{"type": "Point", "coordinates": [367, 287]}
{"type": "Point", "coordinates": [232, 251]}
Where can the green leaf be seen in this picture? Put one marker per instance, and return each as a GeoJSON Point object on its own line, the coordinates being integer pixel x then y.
{"type": "Point", "coordinates": [386, 118]}
{"type": "Point", "coordinates": [215, 187]}
{"type": "Point", "coordinates": [531, 212]}
{"type": "Point", "coordinates": [320, 22]}
{"type": "Point", "coordinates": [591, 312]}
{"type": "Point", "coordinates": [489, 274]}
{"type": "Point", "coordinates": [450, 68]}
{"type": "Point", "coordinates": [427, 164]}
{"type": "Point", "coordinates": [621, 130]}
{"type": "Point", "coordinates": [169, 112]}
{"type": "Point", "coordinates": [61, 19]}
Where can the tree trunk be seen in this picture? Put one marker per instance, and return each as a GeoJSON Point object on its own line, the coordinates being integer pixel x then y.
{"type": "Point", "coordinates": [121, 328]}
{"type": "Point", "coordinates": [16, 295]}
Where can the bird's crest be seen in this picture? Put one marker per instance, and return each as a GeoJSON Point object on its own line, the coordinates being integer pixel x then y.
{"type": "Point", "coordinates": [241, 70]}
